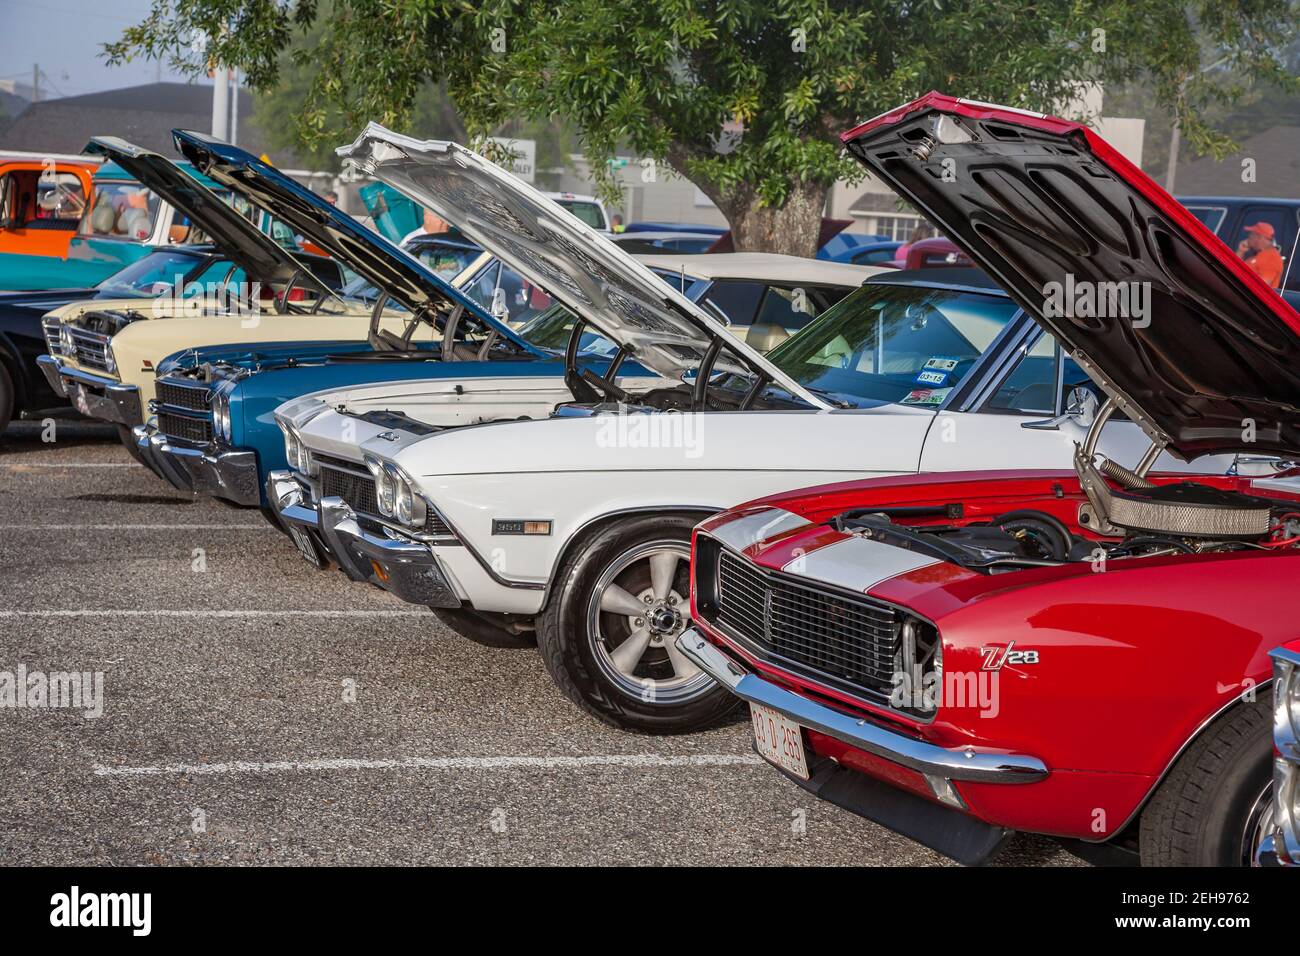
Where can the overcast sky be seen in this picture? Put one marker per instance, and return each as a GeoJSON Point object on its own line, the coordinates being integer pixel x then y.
{"type": "Point", "coordinates": [66, 37]}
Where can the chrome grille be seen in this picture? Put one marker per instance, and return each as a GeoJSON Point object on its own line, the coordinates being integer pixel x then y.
{"type": "Point", "coordinates": [52, 338]}
{"type": "Point", "coordinates": [356, 489]}
{"type": "Point", "coordinates": [356, 486]}
{"type": "Point", "coordinates": [182, 394]}
{"type": "Point", "coordinates": [92, 349]}
{"type": "Point", "coordinates": [816, 631]}
{"type": "Point", "coordinates": [197, 430]}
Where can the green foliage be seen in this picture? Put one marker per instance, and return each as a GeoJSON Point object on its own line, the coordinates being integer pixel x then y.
{"type": "Point", "coordinates": [662, 77]}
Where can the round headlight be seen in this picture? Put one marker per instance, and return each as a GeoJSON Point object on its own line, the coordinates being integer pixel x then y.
{"type": "Point", "coordinates": [291, 448]}
{"type": "Point", "coordinates": [66, 344]}
{"type": "Point", "coordinates": [386, 491]}
{"type": "Point", "coordinates": [405, 507]}
{"type": "Point", "coordinates": [221, 417]}
{"type": "Point", "coordinates": [110, 361]}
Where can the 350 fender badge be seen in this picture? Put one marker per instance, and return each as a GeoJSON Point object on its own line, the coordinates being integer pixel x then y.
{"type": "Point", "coordinates": [995, 658]}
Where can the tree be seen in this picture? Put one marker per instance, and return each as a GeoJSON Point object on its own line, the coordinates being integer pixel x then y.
{"type": "Point", "coordinates": [745, 98]}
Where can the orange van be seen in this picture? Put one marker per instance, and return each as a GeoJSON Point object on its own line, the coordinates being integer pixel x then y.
{"type": "Point", "coordinates": [42, 198]}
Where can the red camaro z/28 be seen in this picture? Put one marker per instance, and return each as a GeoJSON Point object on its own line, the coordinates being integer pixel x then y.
{"type": "Point", "coordinates": [1083, 654]}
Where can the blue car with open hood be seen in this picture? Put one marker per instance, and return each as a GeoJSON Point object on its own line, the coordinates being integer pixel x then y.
{"type": "Point", "coordinates": [211, 427]}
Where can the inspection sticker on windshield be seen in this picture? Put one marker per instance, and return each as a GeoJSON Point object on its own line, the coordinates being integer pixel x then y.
{"type": "Point", "coordinates": [926, 396]}
{"type": "Point", "coordinates": [936, 370]}
{"type": "Point", "coordinates": [941, 364]}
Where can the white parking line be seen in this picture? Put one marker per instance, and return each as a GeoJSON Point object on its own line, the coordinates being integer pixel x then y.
{"type": "Point", "coordinates": [639, 761]}
{"type": "Point", "coordinates": [136, 527]}
{"type": "Point", "coordinates": [70, 464]}
{"type": "Point", "coordinates": [167, 612]}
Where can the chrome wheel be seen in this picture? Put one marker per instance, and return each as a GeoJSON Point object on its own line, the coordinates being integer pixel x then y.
{"type": "Point", "coordinates": [638, 608]}
{"type": "Point", "coordinates": [1259, 824]}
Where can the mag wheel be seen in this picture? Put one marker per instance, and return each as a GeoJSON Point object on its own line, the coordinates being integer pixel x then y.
{"type": "Point", "coordinates": [1216, 804]}
{"type": "Point", "coordinates": [608, 634]}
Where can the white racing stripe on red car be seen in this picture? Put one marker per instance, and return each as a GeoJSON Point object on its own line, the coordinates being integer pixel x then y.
{"type": "Point", "coordinates": [857, 564]}
{"type": "Point", "coordinates": [751, 529]}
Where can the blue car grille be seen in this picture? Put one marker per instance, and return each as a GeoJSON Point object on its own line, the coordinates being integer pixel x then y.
{"type": "Point", "coordinates": [196, 430]}
{"type": "Point", "coordinates": [182, 395]}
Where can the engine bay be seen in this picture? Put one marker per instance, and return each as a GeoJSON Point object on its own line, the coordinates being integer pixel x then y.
{"type": "Point", "coordinates": [105, 321]}
{"type": "Point", "coordinates": [1029, 538]}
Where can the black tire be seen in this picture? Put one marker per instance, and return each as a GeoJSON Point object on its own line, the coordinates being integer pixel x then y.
{"type": "Point", "coordinates": [1202, 811]}
{"type": "Point", "coordinates": [128, 442]}
{"type": "Point", "coordinates": [6, 398]}
{"type": "Point", "coordinates": [569, 646]}
{"type": "Point", "coordinates": [480, 630]}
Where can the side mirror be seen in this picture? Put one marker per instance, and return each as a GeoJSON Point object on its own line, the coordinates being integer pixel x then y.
{"type": "Point", "coordinates": [499, 310]}
{"type": "Point", "coordinates": [1080, 407]}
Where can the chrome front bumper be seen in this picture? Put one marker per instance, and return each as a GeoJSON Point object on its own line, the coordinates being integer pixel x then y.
{"type": "Point", "coordinates": [1282, 846]}
{"type": "Point", "coordinates": [926, 758]}
{"type": "Point", "coordinates": [93, 395]}
{"type": "Point", "coordinates": [400, 566]}
{"type": "Point", "coordinates": [230, 474]}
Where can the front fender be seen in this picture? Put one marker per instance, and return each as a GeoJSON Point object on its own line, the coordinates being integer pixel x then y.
{"type": "Point", "coordinates": [1128, 665]}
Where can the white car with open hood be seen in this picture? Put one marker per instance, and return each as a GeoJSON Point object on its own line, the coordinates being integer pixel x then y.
{"type": "Point", "coordinates": [578, 525]}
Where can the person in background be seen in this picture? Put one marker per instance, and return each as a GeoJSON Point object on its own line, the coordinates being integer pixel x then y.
{"type": "Point", "coordinates": [920, 232]}
{"type": "Point", "coordinates": [433, 225]}
{"type": "Point", "coordinates": [616, 223]}
{"type": "Point", "coordinates": [331, 197]}
{"type": "Point", "coordinates": [134, 220]}
{"type": "Point", "coordinates": [1261, 254]}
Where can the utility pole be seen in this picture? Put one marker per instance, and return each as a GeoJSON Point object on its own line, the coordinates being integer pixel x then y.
{"type": "Point", "coordinates": [1175, 141]}
{"type": "Point", "coordinates": [220, 103]}
{"type": "Point", "coordinates": [234, 107]}
{"type": "Point", "coordinates": [36, 82]}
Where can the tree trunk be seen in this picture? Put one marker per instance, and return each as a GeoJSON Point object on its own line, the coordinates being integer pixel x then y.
{"type": "Point", "coordinates": [792, 229]}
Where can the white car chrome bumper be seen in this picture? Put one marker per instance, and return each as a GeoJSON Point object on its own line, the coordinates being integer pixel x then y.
{"type": "Point", "coordinates": [403, 567]}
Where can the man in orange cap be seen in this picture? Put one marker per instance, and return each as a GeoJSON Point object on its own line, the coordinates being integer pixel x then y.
{"type": "Point", "coordinates": [1266, 260]}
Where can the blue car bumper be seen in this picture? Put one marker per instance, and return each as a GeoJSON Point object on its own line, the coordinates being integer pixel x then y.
{"type": "Point", "coordinates": [228, 473]}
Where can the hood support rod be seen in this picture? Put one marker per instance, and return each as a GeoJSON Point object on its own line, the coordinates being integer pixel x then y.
{"type": "Point", "coordinates": [704, 373]}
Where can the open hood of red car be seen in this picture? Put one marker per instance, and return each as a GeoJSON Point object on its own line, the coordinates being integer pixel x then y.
{"type": "Point", "coordinates": [1190, 342]}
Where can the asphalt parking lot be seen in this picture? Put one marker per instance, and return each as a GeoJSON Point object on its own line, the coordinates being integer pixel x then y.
{"type": "Point", "coordinates": [228, 735]}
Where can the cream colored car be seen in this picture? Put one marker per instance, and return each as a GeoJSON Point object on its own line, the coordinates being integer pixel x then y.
{"type": "Point", "coordinates": [103, 353]}
{"type": "Point", "coordinates": [762, 298]}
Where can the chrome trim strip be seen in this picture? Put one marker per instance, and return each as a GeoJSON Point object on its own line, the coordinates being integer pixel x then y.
{"type": "Point", "coordinates": [918, 755]}
{"type": "Point", "coordinates": [975, 387]}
